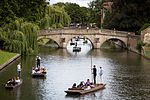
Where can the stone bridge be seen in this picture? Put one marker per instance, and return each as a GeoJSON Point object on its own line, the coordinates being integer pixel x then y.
{"type": "Point", "coordinates": [96, 36]}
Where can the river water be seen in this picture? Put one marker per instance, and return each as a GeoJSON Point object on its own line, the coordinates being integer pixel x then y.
{"type": "Point", "coordinates": [126, 75]}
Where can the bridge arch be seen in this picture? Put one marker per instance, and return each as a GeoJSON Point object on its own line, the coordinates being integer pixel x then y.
{"type": "Point", "coordinates": [81, 36]}
{"type": "Point", "coordinates": [49, 38]}
{"type": "Point", "coordinates": [117, 41]}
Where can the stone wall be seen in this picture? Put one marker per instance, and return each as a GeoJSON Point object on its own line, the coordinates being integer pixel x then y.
{"type": "Point", "coordinates": [145, 35]}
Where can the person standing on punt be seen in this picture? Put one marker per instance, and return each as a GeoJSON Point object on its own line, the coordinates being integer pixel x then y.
{"type": "Point", "coordinates": [100, 73]}
{"type": "Point", "coordinates": [94, 73]}
{"type": "Point", "coordinates": [76, 44]}
{"type": "Point", "coordinates": [19, 70]}
{"type": "Point", "coordinates": [38, 61]}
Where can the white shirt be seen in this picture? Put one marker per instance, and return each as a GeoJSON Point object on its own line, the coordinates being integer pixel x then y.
{"type": "Point", "coordinates": [39, 58]}
{"type": "Point", "coordinates": [33, 71]}
{"type": "Point", "coordinates": [88, 88]}
{"type": "Point", "coordinates": [18, 67]}
{"type": "Point", "coordinates": [87, 28]}
{"type": "Point", "coordinates": [101, 72]}
{"type": "Point", "coordinates": [17, 81]}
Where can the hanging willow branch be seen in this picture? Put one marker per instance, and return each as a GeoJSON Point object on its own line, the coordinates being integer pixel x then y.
{"type": "Point", "coordinates": [55, 17]}
{"type": "Point", "coordinates": [20, 37]}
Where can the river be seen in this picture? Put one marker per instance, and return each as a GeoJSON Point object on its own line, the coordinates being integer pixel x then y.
{"type": "Point", "coordinates": [126, 75]}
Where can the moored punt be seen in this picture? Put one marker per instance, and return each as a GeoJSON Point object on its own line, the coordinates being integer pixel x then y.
{"type": "Point", "coordinates": [11, 86]}
{"type": "Point", "coordinates": [77, 91]}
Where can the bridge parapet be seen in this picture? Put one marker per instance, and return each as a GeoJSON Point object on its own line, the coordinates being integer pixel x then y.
{"type": "Point", "coordinates": [85, 31]}
{"type": "Point", "coordinates": [69, 31]}
{"type": "Point", "coordinates": [115, 32]}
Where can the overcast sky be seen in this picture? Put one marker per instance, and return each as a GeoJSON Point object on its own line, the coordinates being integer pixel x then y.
{"type": "Point", "coordinates": [80, 2]}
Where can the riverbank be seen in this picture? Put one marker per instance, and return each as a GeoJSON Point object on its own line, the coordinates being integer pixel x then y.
{"type": "Point", "coordinates": [6, 58]}
{"type": "Point", "coordinates": [145, 53]}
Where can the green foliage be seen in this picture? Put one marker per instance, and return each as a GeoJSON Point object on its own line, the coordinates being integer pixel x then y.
{"type": "Point", "coordinates": [18, 32]}
{"type": "Point", "coordinates": [74, 11]}
{"type": "Point", "coordinates": [146, 25]}
{"type": "Point", "coordinates": [139, 45]}
{"type": "Point", "coordinates": [5, 56]}
{"type": "Point", "coordinates": [31, 10]}
{"type": "Point", "coordinates": [77, 14]}
{"type": "Point", "coordinates": [8, 11]}
{"type": "Point", "coordinates": [20, 37]}
{"type": "Point", "coordinates": [128, 15]}
{"type": "Point", "coordinates": [55, 17]}
{"type": "Point", "coordinates": [147, 51]}
{"type": "Point", "coordinates": [95, 11]}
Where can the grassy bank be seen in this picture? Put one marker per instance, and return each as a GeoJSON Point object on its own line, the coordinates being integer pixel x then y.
{"type": "Point", "coordinates": [5, 56]}
{"type": "Point", "coordinates": [146, 51]}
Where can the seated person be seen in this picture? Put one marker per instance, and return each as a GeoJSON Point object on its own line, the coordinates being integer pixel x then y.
{"type": "Point", "coordinates": [17, 80]}
{"type": "Point", "coordinates": [92, 85]}
{"type": "Point", "coordinates": [88, 88]}
{"type": "Point", "coordinates": [81, 85]}
{"type": "Point", "coordinates": [11, 81]}
{"type": "Point", "coordinates": [43, 70]}
{"type": "Point", "coordinates": [36, 69]}
{"type": "Point", "coordinates": [88, 83]}
{"type": "Point", "coordinates": [33, 71]}
{"type": "Point", "coordinates": [74, 85]}
{"type": "Point", "coordinates": [39, 72]}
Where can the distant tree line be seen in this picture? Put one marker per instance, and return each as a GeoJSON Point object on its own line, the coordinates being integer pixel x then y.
{"type": "Point", "coordinates": [82, 15]}
{"type": "Point", "coordinates": [128, 15]}
{"type": "Point", "coordinates": [125, 15]}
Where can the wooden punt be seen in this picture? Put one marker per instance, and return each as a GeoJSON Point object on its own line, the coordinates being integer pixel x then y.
{"type": "Point", "coordinates": [76, 49]}
{"type": "Point", "coordinates": [41, 73]}
{"type": "Point", "coordinates": [10, 86]}
{"type": "Point", "coordinates": [72, 43]}
{"type": "Point", "coordinates": [38, 75]}
{"type": "Point", "coordinates": [77, 91]}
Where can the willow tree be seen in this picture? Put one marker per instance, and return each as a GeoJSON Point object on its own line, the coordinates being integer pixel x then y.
{"type": "Point", "coordinates": [20, 37]}
{"type": "Point", "coordinates": [55, 17]}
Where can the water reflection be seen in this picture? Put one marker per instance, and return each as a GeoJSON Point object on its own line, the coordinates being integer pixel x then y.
{"type": "Point", "coordinates": [18, 94]}
{"type": "Point", "coordinates": [85, 46]}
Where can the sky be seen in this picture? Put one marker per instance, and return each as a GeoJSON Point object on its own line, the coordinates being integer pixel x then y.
{"type": "Point", "coordinates": [79, 2]}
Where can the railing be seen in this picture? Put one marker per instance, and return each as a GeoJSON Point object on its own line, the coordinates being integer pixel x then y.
{"type": "Point", "coordinates": [85, 32]}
